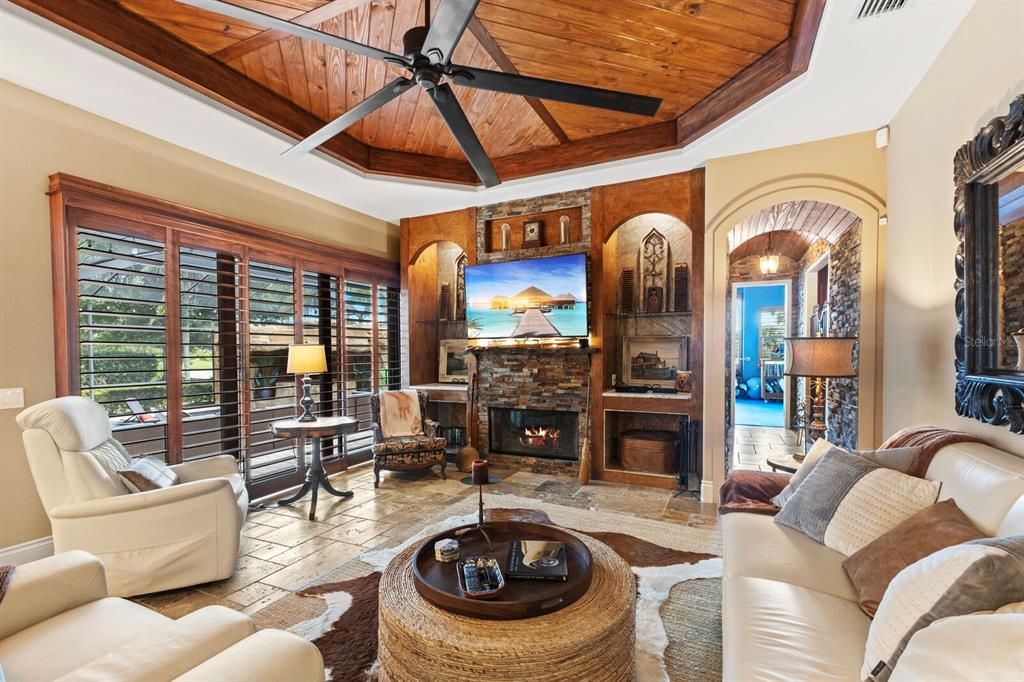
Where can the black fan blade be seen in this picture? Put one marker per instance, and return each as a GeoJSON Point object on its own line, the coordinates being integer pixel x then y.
{"type": "Point", "coordinates": [454, 117]}
{"type": "Point", "coordinates": [369, 105]}
{"type": "Point", "coordinates": [446, 28]}
{"type": "Point", "coordinates": [268, 21]}
{"type": "Point", "coordinates": [554, 90]}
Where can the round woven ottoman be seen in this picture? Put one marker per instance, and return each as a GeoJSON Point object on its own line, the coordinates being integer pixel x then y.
{"type": "Point", "coordinates": [591, 639]}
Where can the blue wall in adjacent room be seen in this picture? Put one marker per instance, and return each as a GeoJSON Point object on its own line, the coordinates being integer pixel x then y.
{"type": "Point", "coordinates": [752, 299]}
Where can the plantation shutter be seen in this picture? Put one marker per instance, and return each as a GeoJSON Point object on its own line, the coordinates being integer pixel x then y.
{"type": "Point", "coordinates": [321, 324]}
{"type": "Point", "coordinates": [122, 333]}
{"type": "Point", "coordinates": [358, 369]}
{"type": "Point", "coordinates": [272, 392]}
{"type": "Point", "coordinates": [211, 359]}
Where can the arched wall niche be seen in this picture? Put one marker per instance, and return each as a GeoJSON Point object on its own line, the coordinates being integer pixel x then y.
{"type": "Point", "coordinates": [858, 198]}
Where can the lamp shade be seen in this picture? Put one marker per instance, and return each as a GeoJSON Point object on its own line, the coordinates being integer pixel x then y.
{"type": "Point", "coordinates": [820, 357]}
{"type": "Point", "coordinates": [306, 359]}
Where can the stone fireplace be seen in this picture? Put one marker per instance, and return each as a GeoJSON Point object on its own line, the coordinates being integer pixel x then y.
{"type": "Point", "coordinates": [534, 433]}
{"type": "Point", "coordinates": [520, 395]}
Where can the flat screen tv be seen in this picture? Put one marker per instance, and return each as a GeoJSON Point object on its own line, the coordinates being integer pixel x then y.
{"type": "Point", "coordinates": [535, 298]}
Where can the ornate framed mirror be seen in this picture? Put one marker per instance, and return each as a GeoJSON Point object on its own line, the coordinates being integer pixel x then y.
{"type": "Point", "coordinates": [989, 223]}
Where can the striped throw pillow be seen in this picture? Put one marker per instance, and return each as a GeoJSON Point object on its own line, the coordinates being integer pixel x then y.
{"type": "Point", "coordinates": [847, 501]}
{"type": "Point", "coordinates": [975, 576]}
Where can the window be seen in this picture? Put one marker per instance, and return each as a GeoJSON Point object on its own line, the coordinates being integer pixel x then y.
{"type": "Point", "coordinates": [179, 323]}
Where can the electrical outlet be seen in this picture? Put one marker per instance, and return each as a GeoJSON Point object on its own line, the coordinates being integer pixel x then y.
{"type": "Point", "coordinates": [11, 398]}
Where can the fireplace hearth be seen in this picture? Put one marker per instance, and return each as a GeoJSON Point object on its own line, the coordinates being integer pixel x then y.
{"type": "Point", "coordinates": [551, 434]}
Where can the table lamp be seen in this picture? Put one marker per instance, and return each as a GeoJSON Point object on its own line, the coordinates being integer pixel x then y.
{"type": "Point", "coordinates": [819, 358]}
{"type": "Point", "coordinates": [306, 360]}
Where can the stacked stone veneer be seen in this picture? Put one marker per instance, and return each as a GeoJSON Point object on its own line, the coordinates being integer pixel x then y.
{"type": "Point", "coordinates": [521, 207]}
{"type": "Point", "coordinates": [844, 320]}
{"type": "Point", "coordinates": [534, 379]}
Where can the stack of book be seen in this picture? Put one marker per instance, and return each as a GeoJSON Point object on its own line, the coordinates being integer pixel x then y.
{"type": "Point", "coordinates": [537, 560]}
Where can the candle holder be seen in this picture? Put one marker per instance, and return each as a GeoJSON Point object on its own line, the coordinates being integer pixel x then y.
{"type": "Point", "coordinates": [480, 478]}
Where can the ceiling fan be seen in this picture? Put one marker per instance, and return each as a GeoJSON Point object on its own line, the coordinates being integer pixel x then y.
{"type": "Point", "coordinates": [427, 56]}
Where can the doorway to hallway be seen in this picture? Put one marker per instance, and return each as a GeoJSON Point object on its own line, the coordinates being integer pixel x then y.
{"type": "Point", "coordinates": [761, 318]}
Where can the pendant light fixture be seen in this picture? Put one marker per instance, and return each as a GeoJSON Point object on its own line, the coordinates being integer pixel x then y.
{"type": "Point", "coordinates": [769, 262]}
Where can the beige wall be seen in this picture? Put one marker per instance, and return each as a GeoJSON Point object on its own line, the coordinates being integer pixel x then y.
{"type": "Point", "coordinates": [40, 136]}
{"type": "Point", "coordinates": [847, 171]}
{"type": "Point", "coordinates": [973, 80]}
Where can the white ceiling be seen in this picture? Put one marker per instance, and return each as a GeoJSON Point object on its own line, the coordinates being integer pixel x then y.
{"type": "Point", "coordinates": [860, 75]}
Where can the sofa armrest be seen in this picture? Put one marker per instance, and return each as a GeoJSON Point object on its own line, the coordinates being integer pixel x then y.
{"type": "Point", "coordinates": [267, 655]}
{"type": "Point", "coordinates": [121, 504]}
{"type": "Point", "coordinates": [43, 589]}
{"type": "Point", "coordinates": [170, 650]}
{"type": "Point", "coordinates": [211, 467]}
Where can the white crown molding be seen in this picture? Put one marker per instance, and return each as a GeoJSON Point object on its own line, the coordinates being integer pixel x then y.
{"type": "Point", "coordinates": [25, 552]}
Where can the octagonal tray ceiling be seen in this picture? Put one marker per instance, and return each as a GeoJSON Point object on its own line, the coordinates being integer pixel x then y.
{"type": "Point", "coordinates": [706, 59]}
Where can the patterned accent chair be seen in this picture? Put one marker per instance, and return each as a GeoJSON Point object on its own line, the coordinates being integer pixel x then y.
{"type": "Point", "coordinates": [402, 439]}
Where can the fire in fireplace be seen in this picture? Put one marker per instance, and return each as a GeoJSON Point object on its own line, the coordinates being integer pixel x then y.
{"type": "Point", "coordinates": [535, 433]}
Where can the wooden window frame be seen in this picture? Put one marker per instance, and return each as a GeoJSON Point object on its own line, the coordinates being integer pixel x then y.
{"type": "Point", "coordinates": [76, 201]}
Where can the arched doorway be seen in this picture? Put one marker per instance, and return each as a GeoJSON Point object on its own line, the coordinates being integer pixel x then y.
{"type": "Point", "coordinates": [794, 270]}
{"type": "Point", "coordinates": [869, 208]}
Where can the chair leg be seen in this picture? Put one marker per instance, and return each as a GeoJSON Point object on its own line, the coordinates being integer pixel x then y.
{"type": "Point", "coordinates": [444, 464]}
{"type": "Point", "coordinates": [376, 475]}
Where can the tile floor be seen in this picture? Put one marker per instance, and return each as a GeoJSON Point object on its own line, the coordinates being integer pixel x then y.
{"type": "Point", "coordinates": [282, 550]}
{"type": "Point", "coordinates": [754, 444]}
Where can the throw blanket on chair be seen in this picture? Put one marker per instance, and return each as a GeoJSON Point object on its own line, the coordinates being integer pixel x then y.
{"type": "Point", "coordinates": [6, 573]}
{"type": "Point", "coordinates": [752, 491]}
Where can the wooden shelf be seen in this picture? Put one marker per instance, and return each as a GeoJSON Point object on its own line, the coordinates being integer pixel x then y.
{"type": "Point", "coordinates": [665, 403]}
{"type": "Point", "coordinates": [662, 396]}
{"type": "Point", "coordinates": [444, 393]}
{"type": "Point", "coordinates": [685, 313]}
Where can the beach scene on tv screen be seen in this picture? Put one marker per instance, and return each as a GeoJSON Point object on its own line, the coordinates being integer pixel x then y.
{"type": "Point", "coordinates": [541, 297]}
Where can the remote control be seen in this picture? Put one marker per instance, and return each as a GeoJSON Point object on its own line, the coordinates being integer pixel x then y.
{"type": "Point", "coordinates": [472, 578]}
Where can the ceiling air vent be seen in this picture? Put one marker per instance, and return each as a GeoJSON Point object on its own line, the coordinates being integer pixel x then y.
{"type": "Point", "coordinates": [874, 8]}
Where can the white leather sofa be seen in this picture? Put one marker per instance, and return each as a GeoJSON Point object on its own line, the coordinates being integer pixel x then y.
{"type": "Point", "coordinates": [57, 623]}
{"type": "Point", "coordinates": [789, 612]}
{"type": "Point", "coordinates": [151, 541]}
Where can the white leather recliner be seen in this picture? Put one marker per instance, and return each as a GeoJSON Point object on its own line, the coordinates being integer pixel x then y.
{"type": "Point", "coordinates": [149, 541]}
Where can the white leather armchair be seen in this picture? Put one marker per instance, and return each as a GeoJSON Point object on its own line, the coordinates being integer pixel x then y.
{"type": "Point", "coordinates": [150, 541]}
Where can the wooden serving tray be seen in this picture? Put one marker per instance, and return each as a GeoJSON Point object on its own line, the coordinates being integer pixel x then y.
{"type": "Point", "coordinates": [438, 583]}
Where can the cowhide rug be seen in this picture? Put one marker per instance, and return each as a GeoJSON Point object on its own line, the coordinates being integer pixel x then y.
{"type": "Point", "coordinates": [678, 570]}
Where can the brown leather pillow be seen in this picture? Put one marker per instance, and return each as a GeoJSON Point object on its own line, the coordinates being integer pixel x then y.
{"type": "Point", "coordinates": [873, 566]}
{"type": "Point", "coordinates": [148, 473]}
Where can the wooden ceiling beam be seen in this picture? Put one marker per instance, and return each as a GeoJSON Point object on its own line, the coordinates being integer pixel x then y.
{"type": "Point", "coordinates": [611, 147]}
{"type": "Point", "coordinates": [128, 34]}
{"type": "Point", "coordinates": [782, 64]}
{"type": "Point", "coordinates": [483, 36]}
{"type": "Point", "coordinates": [311, 19]}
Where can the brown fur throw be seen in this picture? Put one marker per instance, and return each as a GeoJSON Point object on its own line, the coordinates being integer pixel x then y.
{"type": "Point", "coordinates": [6, 573]}
{"type": "Point", "coordinates": [930, 439]}
{"type": "Point", "coordinates": [751, 491]}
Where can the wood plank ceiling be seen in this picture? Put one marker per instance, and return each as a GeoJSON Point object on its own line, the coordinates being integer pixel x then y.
{"type": "Point", "coordinates": [707, 59]}
{"type": "Point", "coordinates": [800, 224]}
